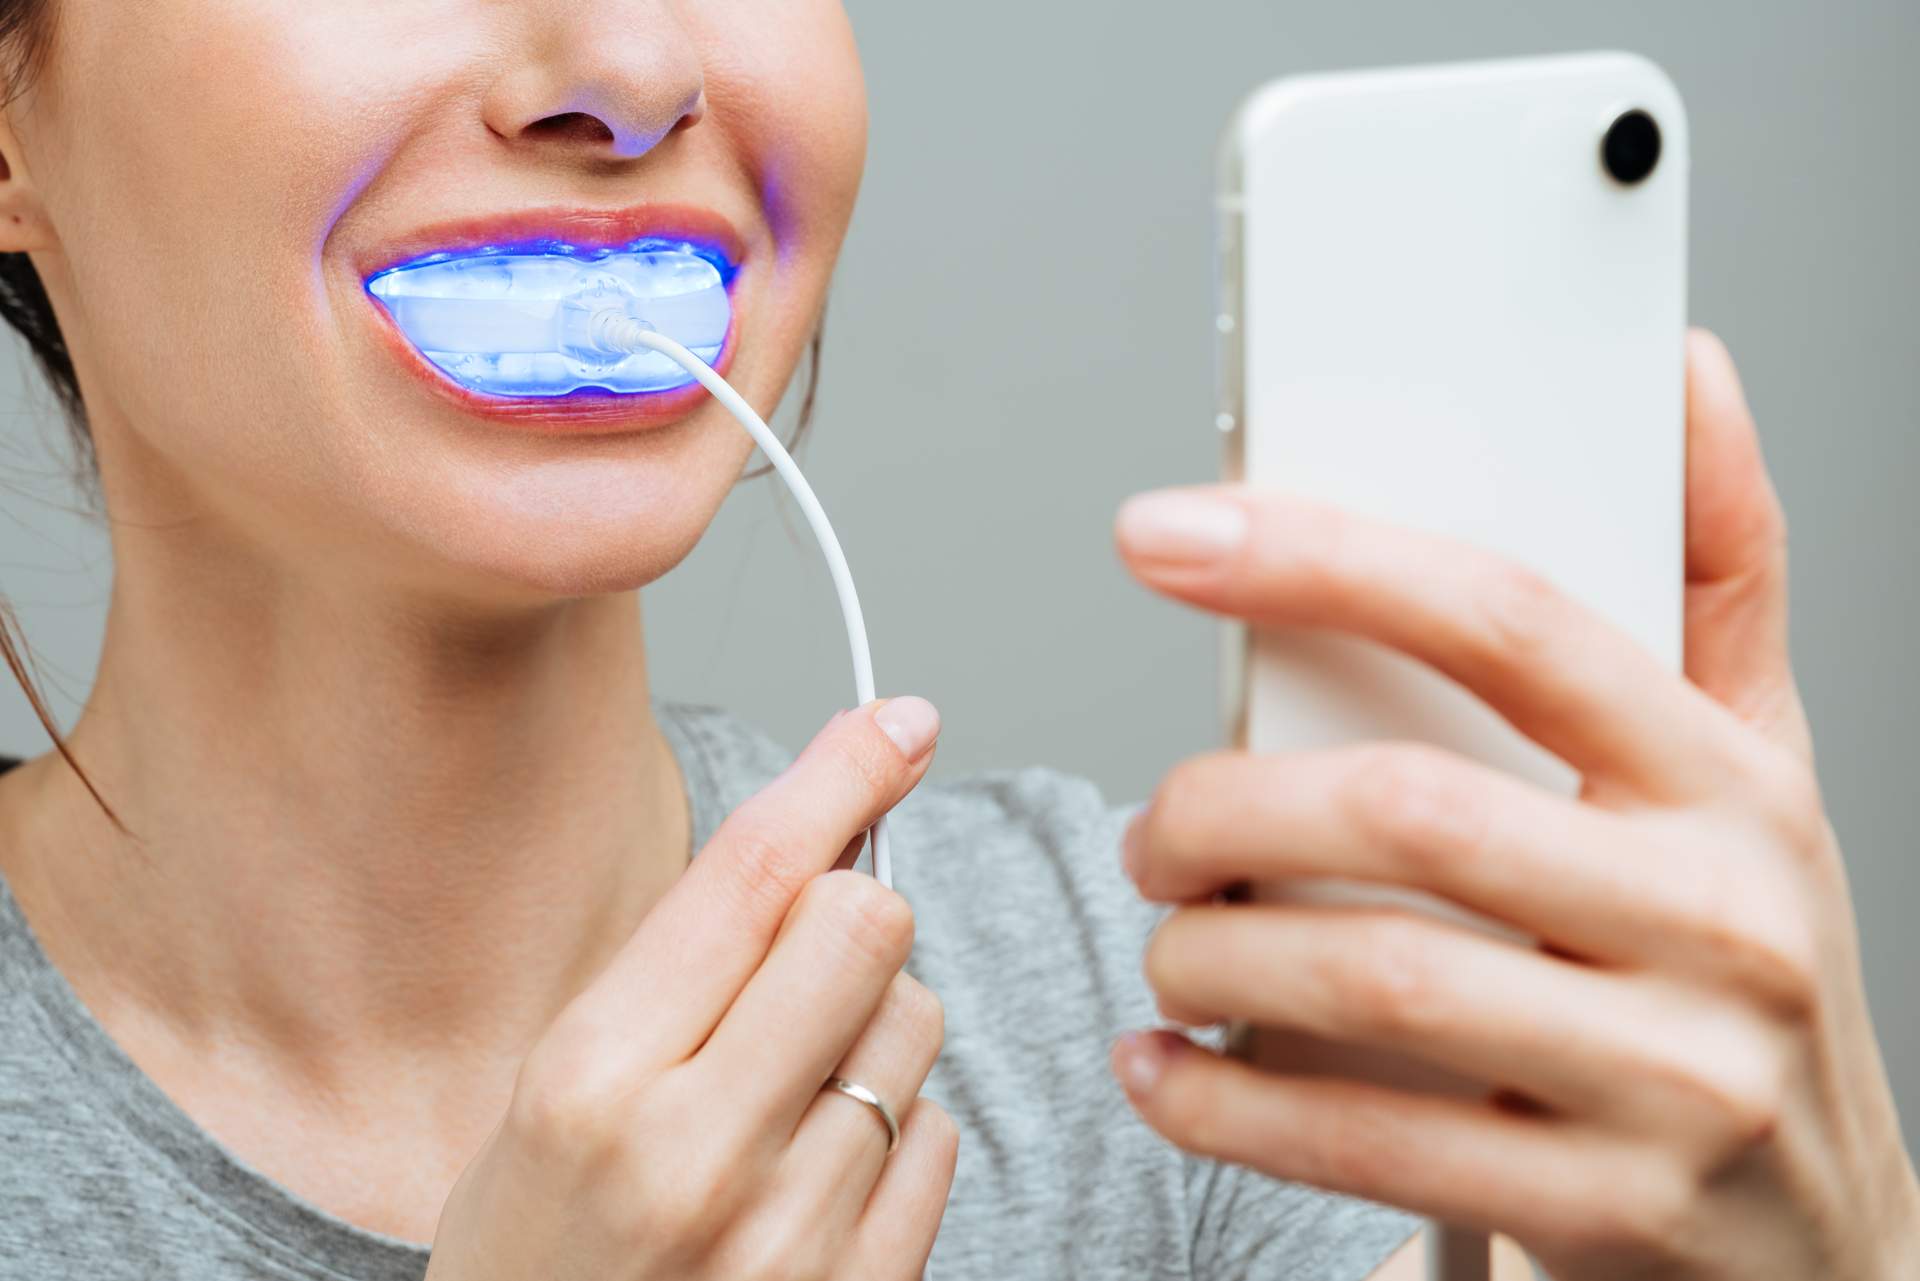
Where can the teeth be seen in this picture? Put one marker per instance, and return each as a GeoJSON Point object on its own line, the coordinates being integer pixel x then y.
{"type": "Point", "coordinates": [508, 324]}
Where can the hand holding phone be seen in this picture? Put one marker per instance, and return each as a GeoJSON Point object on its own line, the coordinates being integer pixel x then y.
{"type": "Point", "coordinates": [671, 1123]}
{"type": "Point", "coordinates": [1465, 562]}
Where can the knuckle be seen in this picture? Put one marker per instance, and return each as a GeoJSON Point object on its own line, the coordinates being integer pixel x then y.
{"type": "Point", "coordinates": [1766, 950]}
{"type": "Point", "coordinates": [1751, 1113]}
{"type": "Point", "coordinates": [867, 915]}
{"type": "Point", "coordinates": [1730, 1081]}
{"type": "Point", "coordinates": [1384, 984]}
{"type": "Point", "coordinates": [1742, 1104]}
{"type": "Point", "coordinates": [941, 1130]}
{"type": "Point", "coordinates": [685, 1198]}
{"type": "Point", "coordinates": [1742, 925]}
{"type": "Point", "coordinates": [559, 1109]}
{"type": "Point", "coordinates": [1786, 793]}
{"type": "Point", "coordinates": [1191, 1115]}
{"type": "Point", "coordinates": [1355, 1152]}
{"type": "Point", "coordinates": [1652, 1214]}
{"type": "Point", "coordinates": [1176, 812]}
{"type": "Point", "coordinates": [1522, 610]}
{"type": "Point", "coordinates": [767, 851]}
{"type": "Point", "coordinates": [776, 1247]}
{"type": "Point", "coordinates": [639, 1177]}
{"type": "Point", "coordinates": [872, 761]}
{"type": "Point", "coordinates": [934, 1136]}
{"type": "Point", "coordinates": [919, 1011]}
{"type": "Point", "coordinates": [1407, 797]}
{"type": "Point", "coordinates": [1780, 968]}
{"type": "Point", "coordinates": [1164, 960]}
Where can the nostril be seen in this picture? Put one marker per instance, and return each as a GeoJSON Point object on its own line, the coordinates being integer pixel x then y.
{"type": "Point", "coordinates": [571, 126]}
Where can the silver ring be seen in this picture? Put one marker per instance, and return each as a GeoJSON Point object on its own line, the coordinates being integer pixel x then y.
{"type": "Point", "coordinates": [855, 1090]}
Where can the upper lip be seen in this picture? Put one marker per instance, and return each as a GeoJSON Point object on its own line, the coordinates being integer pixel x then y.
{"type": "Point", "coordinates": [577, 226]}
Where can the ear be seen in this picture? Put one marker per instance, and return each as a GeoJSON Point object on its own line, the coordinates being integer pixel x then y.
{"type": "Point", "coordinates": [24, 225]}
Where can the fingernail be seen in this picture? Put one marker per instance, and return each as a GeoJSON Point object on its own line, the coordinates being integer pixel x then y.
{"type": "Point", "coordinates": [1180, 527]}
{"type": "Point", "coordinates": [1140, 1060]}
{"type": "Point", "coordinates": [911, 722]}
{"type": "Point", "coordinates": [1130, 839]}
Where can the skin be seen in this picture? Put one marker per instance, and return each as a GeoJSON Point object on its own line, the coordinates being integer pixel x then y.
{"type": "Point", "coordinates": [374, 690]}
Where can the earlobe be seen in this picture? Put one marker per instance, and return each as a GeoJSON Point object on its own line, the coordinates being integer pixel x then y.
{"type": "Point", "coordinates": [23, 218]}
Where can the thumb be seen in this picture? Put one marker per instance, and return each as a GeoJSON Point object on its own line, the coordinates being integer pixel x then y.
{"type": "Point", "coordinates": [1736, 594]}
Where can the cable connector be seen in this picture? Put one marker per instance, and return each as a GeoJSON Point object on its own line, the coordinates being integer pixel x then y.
{"type": "Point", "coordinates": [617, 332]}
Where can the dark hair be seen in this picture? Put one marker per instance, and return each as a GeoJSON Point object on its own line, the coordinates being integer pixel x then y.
{"type": "Point", "coordinates": [26, 36]}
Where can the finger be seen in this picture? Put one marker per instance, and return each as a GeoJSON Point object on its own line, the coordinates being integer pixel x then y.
{"type": "Point", "coordinates": [840, 1145]}
{"type": "Point", "coordinates": [1602, 1045]}
{"type": "Point", "coordinates": [820, 986]}
{"type": "Point", "coordinates": [1736, 616]}
{"type": "Point", "coordinates": [669, 986]}
{"type": "Point", "coordinates": [901, 1220]}
{"type": "Point", "coordinates": [1558, 672]}
{"type": "Point", "coordinates": [1592, 882]}
{"type": "Point", "coordinates": [1462, 1161]}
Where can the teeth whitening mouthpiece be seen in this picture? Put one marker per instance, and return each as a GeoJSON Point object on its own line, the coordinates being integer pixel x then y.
{"type": "Point", "coordinates": [529, 323]}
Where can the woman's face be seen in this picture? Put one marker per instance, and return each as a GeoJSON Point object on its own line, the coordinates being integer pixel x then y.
{"type": "Point", "coordinates": [209, 182]}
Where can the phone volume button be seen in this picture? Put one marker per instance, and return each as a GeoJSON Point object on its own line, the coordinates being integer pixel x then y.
{"type": "Point", "coordinates": [1229, 334]}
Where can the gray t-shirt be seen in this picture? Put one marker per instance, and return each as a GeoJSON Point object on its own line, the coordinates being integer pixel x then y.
{"type": "Point", "coordinates": [1026, 928]}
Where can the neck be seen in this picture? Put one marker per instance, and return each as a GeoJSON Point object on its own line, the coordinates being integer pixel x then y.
{"type": "Point", "coordinates": [364, 826]}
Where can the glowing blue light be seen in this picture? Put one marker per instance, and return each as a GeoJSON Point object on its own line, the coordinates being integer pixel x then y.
{"type": "Point", "coordinates": [513, 320]}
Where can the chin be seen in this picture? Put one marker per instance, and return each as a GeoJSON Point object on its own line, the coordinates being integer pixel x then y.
{"type": "Point", "coordinates": [583, 518]}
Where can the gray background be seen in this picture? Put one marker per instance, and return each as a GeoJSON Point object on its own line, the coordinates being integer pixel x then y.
{"type": "Point", "coordinates": [1004, 364]}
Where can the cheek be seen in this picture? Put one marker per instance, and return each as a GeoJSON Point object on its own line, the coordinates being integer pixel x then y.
{"type": "Point", "coordinates": [787, 105]}
{"type": "Point", "coordinates": [214, 143]}
{"type": "Point", "coordinates": [784, 81]}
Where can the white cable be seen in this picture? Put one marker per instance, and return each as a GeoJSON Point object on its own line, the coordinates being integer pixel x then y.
{"type": "Point", "coordinates": [618, 332]}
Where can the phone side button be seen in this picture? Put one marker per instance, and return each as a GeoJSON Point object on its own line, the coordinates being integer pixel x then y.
{"type": "Point", "coordinates": [1227, 323]}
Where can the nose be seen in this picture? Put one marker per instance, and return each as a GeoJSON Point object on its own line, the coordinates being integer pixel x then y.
{"type": "Point", "coordinates": [597, 79]}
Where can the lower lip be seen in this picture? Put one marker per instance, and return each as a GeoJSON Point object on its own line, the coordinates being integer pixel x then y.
{"type": "Point", "coordinates": [588, 411]}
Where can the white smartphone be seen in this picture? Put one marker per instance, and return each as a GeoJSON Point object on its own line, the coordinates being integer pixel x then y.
{"type": "Point", "coordinates": [1453, 297]}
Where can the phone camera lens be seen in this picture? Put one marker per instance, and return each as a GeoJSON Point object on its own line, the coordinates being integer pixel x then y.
{"type": "Point", "coordinates": [1632, 147]}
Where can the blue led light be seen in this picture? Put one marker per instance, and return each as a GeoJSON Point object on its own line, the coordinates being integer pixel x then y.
{"type": "Point", "coordinates": [514, 320]}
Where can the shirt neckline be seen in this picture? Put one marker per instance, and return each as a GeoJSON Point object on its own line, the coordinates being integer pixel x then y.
{"type": "Point", "coordinates": [217, 1180]}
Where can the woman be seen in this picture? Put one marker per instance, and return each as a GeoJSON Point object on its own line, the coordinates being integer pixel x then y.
{"type": "Point", "coordinates": [360, 908]}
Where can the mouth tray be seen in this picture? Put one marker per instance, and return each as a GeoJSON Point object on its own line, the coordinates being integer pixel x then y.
{"type": "Point", "coordinates": [521, 322]}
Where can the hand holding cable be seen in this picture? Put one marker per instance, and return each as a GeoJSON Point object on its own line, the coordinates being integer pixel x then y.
{"type": "Point", "coordinates": [672, 1121]}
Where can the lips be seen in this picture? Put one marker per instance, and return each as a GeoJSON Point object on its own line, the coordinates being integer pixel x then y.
{"type": "Point", "coordinates": [584, 230]}
{"type": "Point", "coordinates": [564, 240]}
